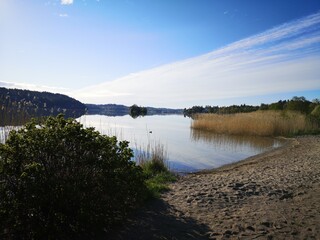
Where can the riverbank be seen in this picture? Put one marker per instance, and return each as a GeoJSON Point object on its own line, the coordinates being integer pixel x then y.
{"type": "Point", "coordinates": [275, 195]}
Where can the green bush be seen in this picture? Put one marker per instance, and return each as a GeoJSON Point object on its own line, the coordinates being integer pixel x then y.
{"type": "Point", "coordinates": [316, 112]}
{"type": "Point", "coordinates": [153, 167]}
{"type": "Point", "coordinates": [157, 175]}
{"type": "Point", "coordinates": [59, 180]}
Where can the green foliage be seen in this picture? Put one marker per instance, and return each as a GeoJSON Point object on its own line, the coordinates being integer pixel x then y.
{"type": "Point", "coordinates": [158, 175]}
{"type": "Point", "coordinates": [153, 161]}
{"type": "Point", "coordinates": [280, 105]}
{"type": "Point", "coordinates": [136, 111]}
{"type": "Point", "coordinates": [316, 112]}
{"type": "Point", "coordinates": [61, 181]}
{"type": "Point", "coordinates": [153, 167]}
{"type": "Point", "coordinates": [159, 183]}
{"type": "Point", "coordinates": [220, 110]}
{"type": "Point", "coordinates": [299, 104]}
{"type": "Point", "coordinates": [19, 106]}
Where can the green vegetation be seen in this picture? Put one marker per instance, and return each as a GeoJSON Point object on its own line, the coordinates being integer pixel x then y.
{"type": "Point", "coordinates": [220, 110]}
{"type": "Point", "coordinates": [153, 161]}
{"type": "Point", "coordinates": [136, 111]}
{"type": "Point", "coordinates": [299, 104]}
{"type": "Point", "coordinates": [19, 106]}
{"type": "Point", "coordinates": [107, 109]}
{"type": "Point", "coordinates": [316, 112]}
{"type": "Point", "coordinates": [121, 110]}
{"type": "Point", "coordinates": [283, 118]}
{"type": "Point", "coordinates": [59, 180]}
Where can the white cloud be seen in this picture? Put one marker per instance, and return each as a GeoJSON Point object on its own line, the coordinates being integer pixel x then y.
{"type": "Point", "coordinates": [63, 15]}
{"type": "Point", "coordinates": [283, 59]}
{"type": "Point", "coordinates": [66, 2]}
{"type": "Point", "coordinates": [34, 87]}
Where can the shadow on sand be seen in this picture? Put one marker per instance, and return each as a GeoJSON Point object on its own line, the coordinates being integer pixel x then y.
{"type": "Point", "coordinates": [159, 220]}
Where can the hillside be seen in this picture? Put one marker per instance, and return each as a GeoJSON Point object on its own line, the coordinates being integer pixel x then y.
{"type": "Point", "coordinates": [107, 109]}
{"type": "Point", "coordinates": [121, 110]}
{"type": "Point", "coordinates": [18, 106]}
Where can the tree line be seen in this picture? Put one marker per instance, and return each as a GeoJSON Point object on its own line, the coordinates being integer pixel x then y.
{"type": "Point", "coordinates": [19, 106]}
{"type": "Point", "coordinates": [300, 104]}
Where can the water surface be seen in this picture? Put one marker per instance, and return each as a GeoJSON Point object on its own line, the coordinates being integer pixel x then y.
{"type": "Point", "coordinates": [188, 150]}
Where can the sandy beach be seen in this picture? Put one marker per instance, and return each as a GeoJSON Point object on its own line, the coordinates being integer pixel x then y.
{"type": "Point", "coordinates": [274, 195]}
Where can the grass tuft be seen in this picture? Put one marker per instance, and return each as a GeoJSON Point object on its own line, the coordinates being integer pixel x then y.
{"type": "Point", "coordinates": [154, 163]}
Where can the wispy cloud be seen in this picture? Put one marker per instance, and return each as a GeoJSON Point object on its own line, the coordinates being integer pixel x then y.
{"type": "Point", "coordinates": [66, 2]}
{"type": "Point", "coordinates": [63, 15]}
{"type": "Point", "coordinates": [283, 59]}
{"type": "Point", "coordinates": [34, 87]}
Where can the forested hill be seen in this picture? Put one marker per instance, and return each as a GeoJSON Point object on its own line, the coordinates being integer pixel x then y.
{"type": "Point", "coordinates": [121, 110]}
{"type": "Point", "coordinates": [18, 106]}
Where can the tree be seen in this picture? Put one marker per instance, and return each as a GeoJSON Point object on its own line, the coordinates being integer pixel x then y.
{"type": "Point", "coordinates": [298, 104]}
{"type": "Point", "coordinates": [136, 111]}
{"type": "Point", "coordinates": [59, 180]}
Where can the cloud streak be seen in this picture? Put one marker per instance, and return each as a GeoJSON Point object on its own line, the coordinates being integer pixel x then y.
{"type": "Point", "coordinates": [63, 15]}
{"type": "Point", "coordinates": [283, 59]}
{"type": "Point", "coordinates": [34, 87]}
{"type": "Point", "coordinates": [66, 2]}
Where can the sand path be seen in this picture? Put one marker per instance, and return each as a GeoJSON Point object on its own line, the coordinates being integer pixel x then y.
{"type": "Point", "coordinates": [275, 195]}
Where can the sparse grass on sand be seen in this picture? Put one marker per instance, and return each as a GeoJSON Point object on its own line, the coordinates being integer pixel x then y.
{"type": "Point", "coordinates": [259, 123]}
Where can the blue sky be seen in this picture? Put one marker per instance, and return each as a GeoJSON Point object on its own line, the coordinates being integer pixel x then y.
{"type": "Point", "coordinates": [170, 53]}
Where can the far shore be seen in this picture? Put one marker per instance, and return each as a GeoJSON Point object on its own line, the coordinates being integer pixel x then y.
{"type": "Point", "coordinates": [273, 195]}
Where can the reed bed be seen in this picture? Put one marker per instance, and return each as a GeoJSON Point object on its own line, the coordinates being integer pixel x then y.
{"type": "Point", "coordinates": [259, 123]}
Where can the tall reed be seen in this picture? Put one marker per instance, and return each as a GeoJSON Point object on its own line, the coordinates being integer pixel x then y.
{"type": "Point", "coordinates": [153, 157]}
{"type": "Point", "coordinates": [259, 123]}
{"type": "Point", "coordinates": [154, 163]}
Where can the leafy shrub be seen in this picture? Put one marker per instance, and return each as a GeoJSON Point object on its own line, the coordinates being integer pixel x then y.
{"type": "Point", "coordinates": [59, 180]}
{"type": "Point", "coordinates": [316, 112]}
{"type": "Point", "coordinates": [153, 167]}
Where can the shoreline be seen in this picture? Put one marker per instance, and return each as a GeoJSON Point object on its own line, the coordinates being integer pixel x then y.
{"type": "Point", "coordinates": [272, 195]}
{"type": "Point", "coordinates": [290, 142]}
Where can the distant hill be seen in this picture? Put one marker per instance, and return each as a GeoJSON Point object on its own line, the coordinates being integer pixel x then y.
{"type": "Point", "coordinates": [121, 110]}
{"type": "Point", "coordinates": [107, 109]}
{"type": "Point", "coordinates": [163, 111]}
{"type": "Point", "coordinates": [18, 106]}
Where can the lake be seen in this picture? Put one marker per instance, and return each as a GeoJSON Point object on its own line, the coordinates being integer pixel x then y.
{"type": "Point", "coordinates": [188, 150]}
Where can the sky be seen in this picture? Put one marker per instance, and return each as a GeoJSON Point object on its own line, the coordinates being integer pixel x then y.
{"type": "Point", "coordinates": [163, 53]}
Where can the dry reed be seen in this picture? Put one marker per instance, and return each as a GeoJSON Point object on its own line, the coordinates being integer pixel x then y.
{"type": "Point", "coordinates": [259, 123]}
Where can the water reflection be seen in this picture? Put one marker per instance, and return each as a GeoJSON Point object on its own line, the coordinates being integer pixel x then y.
{"type": "Point", "coordinates": [234, 142]}
{"type": "Point", "coordinates": [188, 150]}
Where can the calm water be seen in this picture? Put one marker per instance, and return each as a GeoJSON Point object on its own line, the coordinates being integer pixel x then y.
{"type": "Point", "coordinates": [188, 150]}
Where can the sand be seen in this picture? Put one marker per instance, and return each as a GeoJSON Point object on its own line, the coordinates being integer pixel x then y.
{"type": "Point", "coordinates": [274, 195]}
